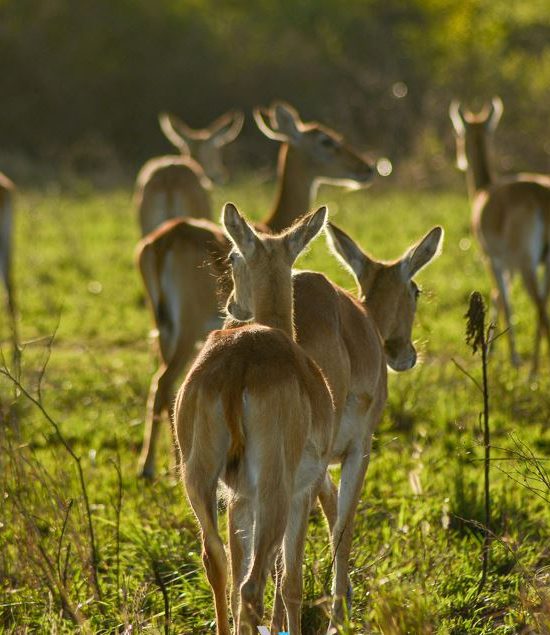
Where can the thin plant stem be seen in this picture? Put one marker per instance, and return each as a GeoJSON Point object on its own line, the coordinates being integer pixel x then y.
{"type": "Point", "coordinates": [117, 503]}
{"type": "Point", "coordinates": [94, 555]}
{"type": "Point", "coordinates": [480, 339]}
{"type": "Point", "coordinates": [486, 465]}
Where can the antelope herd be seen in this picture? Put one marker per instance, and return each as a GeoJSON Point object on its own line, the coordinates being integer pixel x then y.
{"type": "Point", "coordinates": [292, 375]}
{"type": "Point", "coordinates": [181, 260]}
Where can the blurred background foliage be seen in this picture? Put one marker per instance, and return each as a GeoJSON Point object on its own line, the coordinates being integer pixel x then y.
{"type": "Point", "coordinates": [82, 82]}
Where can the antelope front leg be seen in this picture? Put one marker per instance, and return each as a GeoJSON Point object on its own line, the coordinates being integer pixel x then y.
{"type": "Point", "coordinates": [538, 297]}
{"type": "Point", "coordinates": [503, 301]}
{"type": "Point", "coordinates": [160, 399]}
{"type": "Point", "coordinates": [354, 468]}
{"type": "Point", "coordinates": [161, 395]}
{"type": "Point", "coordinates": [151, 431]}
{"type": "Point", "coordinates": [328, 497]}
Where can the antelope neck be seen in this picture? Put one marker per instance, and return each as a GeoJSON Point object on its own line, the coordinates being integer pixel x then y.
{"type": "Point", "coordinates": [479, 173]}
{"type": "Point", "coordinates": [273, 305]}
{"type": "Point", "coordinates": [294, 193]}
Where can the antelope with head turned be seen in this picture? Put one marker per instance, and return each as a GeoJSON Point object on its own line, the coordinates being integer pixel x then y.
{"type": "Point", "coordinates": [256, 413]}
{"type": "Point", "coordinates": [510, 218]}
{"type": "Point", "coordinates": [181, 262]}
{"type": "Point", "coordinates": [172, 186]}
{"type": "Point", "coordinates": [352, 340]}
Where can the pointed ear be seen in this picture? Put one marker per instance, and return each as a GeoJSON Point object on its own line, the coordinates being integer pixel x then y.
{"type": "Point", "coordinates": [261, 116]}
{"type": "Point", "coordinates": [226, 128]}
{"type": "Point", "coordinates": [239, 232]}
{"type": "Point", "coordinates": [168, 124]}
{"type": "Point", "coordinates": [422, 253]}
{"type": "Point", "coordinates": [299, 236]}
{"type": "Point", "coordinates": [346, 250]}
{"type": "Point", "coordinates": [457, 118]}
{"type": "Point", "coordinates": [495, 113]}
{"type": "Point", "coordinates": [287, 120]}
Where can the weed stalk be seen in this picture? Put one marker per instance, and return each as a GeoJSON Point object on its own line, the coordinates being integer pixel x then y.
{"type": "Point", "coordinates": [94, 555]}
{"type": "Point", "coordinates": [479, 338]}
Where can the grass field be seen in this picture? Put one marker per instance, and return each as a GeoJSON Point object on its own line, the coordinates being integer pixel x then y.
{"type": "Point", "coordinates": [416, 557]}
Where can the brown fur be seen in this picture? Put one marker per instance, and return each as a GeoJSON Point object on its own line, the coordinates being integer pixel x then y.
{"type": "Point", "coordinates": [268, 440]}
{"type": "Point", "coordinates": [349, 340]}
{"type": "Point", "coordinates": [177, 186]}
{"type": "Point", "coordinates": [208, 242]}
{"type": "Point", "coordinates": [180, 182]}
{"type": "Point", "coordinates": [510, 219]}
{"type": "Point", "coordinates": [254, 358]}
{"type": "Point", "coordinates": [301, 163]}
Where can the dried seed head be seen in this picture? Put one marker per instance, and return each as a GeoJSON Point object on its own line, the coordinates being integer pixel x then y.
{"type": "Point", "coordinates": [475, 322]}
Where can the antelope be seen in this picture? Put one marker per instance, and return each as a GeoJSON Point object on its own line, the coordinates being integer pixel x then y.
{"type": "Point", "coordinates": [352, 340]}
{"type": "Point", "coordinates": [7, 189]}
{"type": "Point", "coordinates": [510, 218]}
{"type": "Point", "coordinates": [181, 261]}
{"type": "Point", "coordinates": [173, 186]}
{"type": "Point", "coordinates": [256, 413]}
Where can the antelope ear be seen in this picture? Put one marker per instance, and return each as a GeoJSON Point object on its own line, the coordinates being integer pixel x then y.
{"type": "Point", "coordinates": [299, 236]}
{"type": "Point", "coordinates": [239, 232]}
{"type": "Point", "coordinates": [423, 252]}
{"type": "Point", "coordinates": [287, 120]}
{"type": "Point", "coordinates": [346, 250]}
{"type": "Point", "coordinates": [261, 116]}
{"type": "Point", "coordinates": [495, 113]}
{"type": "Point", "coordinates": [173, 129]}
{"type": "Point", "coordinates": [457, 117]}
{"type": "Point", "coordinates": [226, 128]}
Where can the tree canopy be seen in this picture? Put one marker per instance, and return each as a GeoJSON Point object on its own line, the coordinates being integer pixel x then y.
{"type": "Point", "coordinates": [94, 74]}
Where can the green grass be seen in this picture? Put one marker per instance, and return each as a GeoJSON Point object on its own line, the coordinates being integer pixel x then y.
{"type": "Point", "coordinates": [416, 563]}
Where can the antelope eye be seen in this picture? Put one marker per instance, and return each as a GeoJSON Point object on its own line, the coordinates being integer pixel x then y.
{"type": "Point", "coordinates": [232, 257]}
{"type": "Point", "coordinates": [417, 292]}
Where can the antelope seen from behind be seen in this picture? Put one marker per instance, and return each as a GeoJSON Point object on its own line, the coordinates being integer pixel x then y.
{"type": "Point", "coordinates": [510, 218]}
{"type": "Point", "coordinates": [181, 262]}
{"type": "Point", "coordinates": [352, 340]}
{"type": "Point", "coordinates": [255, 412]}
{"type": "Point", "coordinates": [172, 186]}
